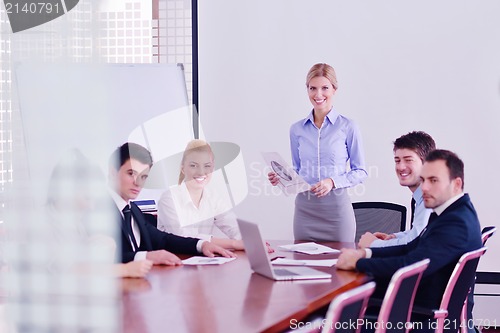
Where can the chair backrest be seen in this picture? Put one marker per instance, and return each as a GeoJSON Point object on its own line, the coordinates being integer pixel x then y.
{"type": "Point", "coordinates": [487, 232]}
{"type": "Point", "coordinates": [457, 289]}
{"type": "Point", "coordinates": [466, 316]}
{"type": "Point", "coordinates": [346, 309]}
{"type": "Point", "coordinates": [397, 305]}
{"type": "Point", "coordinates": [378, 216]}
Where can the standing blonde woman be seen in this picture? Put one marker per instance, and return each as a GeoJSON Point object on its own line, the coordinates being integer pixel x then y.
{"type": "Point", "coordinates": [323, 144]}
{"type": "Point", "coordinates": [194, 210]}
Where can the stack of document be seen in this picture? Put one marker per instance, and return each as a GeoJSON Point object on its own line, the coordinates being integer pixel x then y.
{"type": "Point", "coordinates": [146, 205]}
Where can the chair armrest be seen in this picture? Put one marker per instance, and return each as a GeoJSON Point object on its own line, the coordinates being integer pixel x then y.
{"type": "Point", "coordinates": [430, 313]}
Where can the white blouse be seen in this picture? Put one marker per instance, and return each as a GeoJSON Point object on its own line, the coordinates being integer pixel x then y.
{"type": "Point", "coordinates": [177, 214]}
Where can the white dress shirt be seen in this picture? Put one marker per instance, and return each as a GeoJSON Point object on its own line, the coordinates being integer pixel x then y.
{"type": "Point", "coordinates": [120, 203]}
{"type": "Point", "coordinates": [440, 209]}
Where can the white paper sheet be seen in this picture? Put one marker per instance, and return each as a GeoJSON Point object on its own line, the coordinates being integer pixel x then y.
{"type": "Point", "coordinates": [289, 181]}
{"type": "Point", "coordinates": [198, 260]}
{"type": "Point", "coordinates": [295, 262]}
{"type": "Point", "coordinates": [309, 248]}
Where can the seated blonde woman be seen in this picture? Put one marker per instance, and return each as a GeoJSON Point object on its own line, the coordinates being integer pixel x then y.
{"type": "Point", "coordinates": [193, 209]}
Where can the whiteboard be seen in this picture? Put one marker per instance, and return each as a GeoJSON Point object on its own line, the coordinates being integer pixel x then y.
{"type": "Point", "coordinates": [96, 108]}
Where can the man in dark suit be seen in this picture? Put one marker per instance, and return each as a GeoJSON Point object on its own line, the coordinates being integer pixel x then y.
{"type": "Point", "coordinates": [129, 167]}
{"type": "Point", "coordinates": [453, 229]}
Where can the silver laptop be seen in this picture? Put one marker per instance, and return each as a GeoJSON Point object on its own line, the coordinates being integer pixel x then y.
{"type": "Point", "coordinates": [259, 261]}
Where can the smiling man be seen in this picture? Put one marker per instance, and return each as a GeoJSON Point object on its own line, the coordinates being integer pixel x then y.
{"type": "Point", "coordinates": [453, 229]}
{"type": "Point", "coordinates": [410, 151]}
{"type": "Point", "coordinates": [129, 168]}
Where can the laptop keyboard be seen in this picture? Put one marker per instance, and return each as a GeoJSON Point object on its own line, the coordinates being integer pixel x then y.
{"type": "Point", "coordinates": [283, 272]}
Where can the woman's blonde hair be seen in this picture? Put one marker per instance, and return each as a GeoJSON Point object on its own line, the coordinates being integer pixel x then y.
{"type": "Point", "coordinates": [196, 145]}
{"type": "Point", "coordinates": [325, 70]}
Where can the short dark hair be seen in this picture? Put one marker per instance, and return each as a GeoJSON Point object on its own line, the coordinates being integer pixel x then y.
{"type": "Point", "coordinates": [73, 176]}
{"type": "Point", "coordinates": [127, 151]}
{"type": "Point", "coordinates": [453, 162]}
{"type": "Point", "coordinates": [418, 141]}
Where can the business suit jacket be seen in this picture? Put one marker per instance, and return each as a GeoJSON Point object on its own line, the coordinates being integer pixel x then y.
{"type": "Point", "coordinates": [152, 239]}
{"type": "Point", "coordinates": [450, 235]}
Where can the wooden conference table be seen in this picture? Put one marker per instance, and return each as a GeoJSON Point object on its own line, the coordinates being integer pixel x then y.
{"type": "Point", "coordinates": [228, 297]}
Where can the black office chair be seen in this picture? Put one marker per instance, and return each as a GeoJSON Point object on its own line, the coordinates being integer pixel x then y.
{"type": "Point", "coordinates": [394, 311]}
{"type": "Point", "coordinates": [487, 232]}
{"type": "Point", "coordinates": [447, 317]}
{"type": "Point", "coordinates": [151, 219]}
{"type": "Point", "coordinates": [466, 320]}
{"type": "Point", "coordinates": [344, 310]}
{"type": "Point", "coordinates": [378, 216]}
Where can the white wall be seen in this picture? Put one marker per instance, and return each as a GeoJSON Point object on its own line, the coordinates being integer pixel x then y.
{"type": "Point", "coordinates": [401, 66]}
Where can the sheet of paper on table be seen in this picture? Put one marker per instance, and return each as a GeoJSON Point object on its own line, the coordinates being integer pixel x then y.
{"type": "Point", "coordinates": [198, 260]}
{"type": "Point", "coordinates": [309, 248]}
{"type": "Point", "coordinates": [295, 262]}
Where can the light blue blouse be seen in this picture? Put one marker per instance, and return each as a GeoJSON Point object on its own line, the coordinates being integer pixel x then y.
{"type": "Point", "coordinates": [319, 153]}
